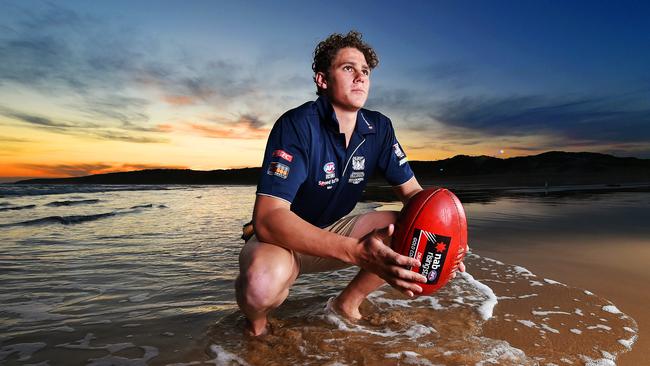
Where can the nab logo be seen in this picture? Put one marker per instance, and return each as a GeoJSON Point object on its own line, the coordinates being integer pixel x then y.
{"type": "Point", "coordinates": [433, 248]}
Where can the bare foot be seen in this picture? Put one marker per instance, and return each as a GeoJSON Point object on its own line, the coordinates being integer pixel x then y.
{"type": "Point", "coordinates": [344, 309]}
{"type": "Point", "coordinates": [249, 330]}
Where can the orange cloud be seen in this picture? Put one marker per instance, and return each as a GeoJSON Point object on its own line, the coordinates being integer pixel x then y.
{"type": "Point", "coordinates": [74, 170]}
{"type": "Point", "coordinates": [179, 100]}
{"type": "Point", "coordinates": [245, 128]}
{"type": "Point", "coordinates": [164, 128]}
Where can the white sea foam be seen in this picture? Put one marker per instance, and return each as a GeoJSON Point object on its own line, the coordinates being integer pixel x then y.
{"type": "Point", "coordinates": [552, 330]}
{"type": "Point", "coordinates": [553, 282]}
{"type": "Point", "coordinates": [225, 358]}
{"type": "Point", "coordinates": [598, 362]}
{"type": "Point", "coordinates": [599, 326]}
{"type": "Point", "coordinates": [627, 343]}
{"type": "Point", "coordinates": [486, 259]}
{"type": "Point", "coordinates": [543, 313]}
{"type": "Point", "coordinates": [332, 317]}
{"type": "Point", "coordinates": [500, 352]}
{"type": "Point", "coordinates": [607, 355]}
{"type": "Point", "coordinates": [611, 309]}
{"type": "Point", "coordinates": [527, 323]}
{"type": "Point", "coordinates": [409, 357]}
{"type": "Point", "coordinates": [579, 312]}
{"type": "Point", "coordinates": [419, 330]}
{"type": "Point", "coordinates": [487, 307]}
{"type": "Point", "coordinates": [390, 302]}
{"type": "Point", "coordinates": [523, 271]}
{"type": "Point", "coordinates": [435, 303]}
{"type": "Point", "coordinates": [576, 331]}
{"type": "Point", "coordinates": [526, 296]}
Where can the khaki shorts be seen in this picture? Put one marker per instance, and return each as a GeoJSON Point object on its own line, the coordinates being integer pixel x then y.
{"type": "Point", "coordinates": [311, 264]}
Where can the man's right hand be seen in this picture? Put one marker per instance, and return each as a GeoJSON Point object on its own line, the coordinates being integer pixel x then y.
{"type": "Point", "coordinates": [373, 255]}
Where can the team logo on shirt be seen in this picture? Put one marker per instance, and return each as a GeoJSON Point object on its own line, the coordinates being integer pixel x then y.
{"type": "Point", "coordinates": [358, 162]}
{"type": "Point", "coordinates": [356, 177]}
{"type": "Point", "coordinates": [283, 154]}
{"type": "Point", "coordinates": [278, 169]}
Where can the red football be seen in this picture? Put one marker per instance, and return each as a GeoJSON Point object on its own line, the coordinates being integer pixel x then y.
{"type": "Point", "coordinates": [432, 228]}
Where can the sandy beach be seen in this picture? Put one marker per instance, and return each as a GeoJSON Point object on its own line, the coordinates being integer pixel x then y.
{"type": "Point", "coordinates": [623, 278]}
{"type": "Point", "coordinates": [596, 243]}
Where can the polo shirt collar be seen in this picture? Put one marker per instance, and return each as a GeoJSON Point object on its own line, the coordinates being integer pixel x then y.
{"type": "Point", "coordinates": [328, 116]}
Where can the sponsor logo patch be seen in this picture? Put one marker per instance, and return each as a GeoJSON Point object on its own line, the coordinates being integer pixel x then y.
{"type": "Point", "coordinates": [329, 168]}
{"type": "Point", "coordinates": [283, 154]}
{"type": "Point", "coordinates": [329, 183]}
{"type": "Point", "coordinates": [278, 169]}
{"type": "Point", "coordinates": [398, 151]}
{"type": "Point", "coordinates": [434, 254]}
{"type": "Point", "coordinates": [358, 162]}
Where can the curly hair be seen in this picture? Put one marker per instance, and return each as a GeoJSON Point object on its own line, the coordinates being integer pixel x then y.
{"type": "Point", "coordinates": [326, 51]}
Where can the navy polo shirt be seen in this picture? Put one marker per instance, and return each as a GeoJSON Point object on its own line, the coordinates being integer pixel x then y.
{"type": "Point", "coordinates": [307, 164]}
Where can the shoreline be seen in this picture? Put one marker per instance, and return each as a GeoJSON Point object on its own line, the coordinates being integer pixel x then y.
{"type": "Point", "coordinates": [581, 267]}
{"type": "Point", "coordinates": [585, 244]}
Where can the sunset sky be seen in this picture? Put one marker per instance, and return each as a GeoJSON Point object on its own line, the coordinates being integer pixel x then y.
{"type": "Point", "coordinates": [98, 86]}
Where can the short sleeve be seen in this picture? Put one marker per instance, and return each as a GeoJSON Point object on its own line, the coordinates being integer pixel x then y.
{"type": "Point", "coordinates": [393, 163]}
{"type": "Point", "coordinates": [284, 167]}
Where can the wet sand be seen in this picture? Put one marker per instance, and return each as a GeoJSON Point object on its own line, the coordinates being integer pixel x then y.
{"type": "Point", "coordinates": [590, 264]}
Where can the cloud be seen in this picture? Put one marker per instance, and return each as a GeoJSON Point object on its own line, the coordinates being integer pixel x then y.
{"type": "Point", "coordinates": [610, 118]}
{"type": "Point", "coordinates": [245, 127]}
{"type": "Point", "coordinates": [85, 129]}
{"type": "Point", "coordinates": [604, 119]}
{"type": "Point", "coordinates": [33, 119]}
{"type": "Point", "coordinates": [78, 170]}
{"type": "Point", "coordinates": [98, 66]}
{"type": "Point", "coordinates": [179, 100]}
{"type": "Point", "coordinates": [119, 136]}
{"type": "Point", "coordinates": [13, 139]}
{"type": "Point", "coordinates": [66, 170]}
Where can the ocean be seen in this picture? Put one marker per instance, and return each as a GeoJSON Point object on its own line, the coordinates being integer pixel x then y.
{"type": "Point", "coordinates": [135, 275]}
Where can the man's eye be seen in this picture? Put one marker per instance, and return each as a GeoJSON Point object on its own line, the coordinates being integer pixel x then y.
{"type": "Point", "coordinates": [366, 72]}
{"type": "Point", "coordinates": [347, 68]}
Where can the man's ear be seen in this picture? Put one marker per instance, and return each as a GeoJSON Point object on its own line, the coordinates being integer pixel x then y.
{"type": "Point", "coordinates": [321, 80]}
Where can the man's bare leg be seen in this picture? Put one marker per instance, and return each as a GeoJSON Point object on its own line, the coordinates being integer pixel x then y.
{"type": "Point", "coordinates": [266, 272]}
{"type": "Point", "coordinates": [348, 301]}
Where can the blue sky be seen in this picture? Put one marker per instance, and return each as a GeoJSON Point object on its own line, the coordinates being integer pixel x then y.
{"type": "Point", "coordinates": [92, 86]}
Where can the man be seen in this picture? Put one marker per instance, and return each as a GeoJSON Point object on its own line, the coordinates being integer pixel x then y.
{"type": "Point", "coordinates": [318, 159]}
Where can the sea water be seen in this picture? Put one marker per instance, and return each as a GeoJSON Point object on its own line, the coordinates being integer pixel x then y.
{"type": "Point", "coordinates": [134, 275]}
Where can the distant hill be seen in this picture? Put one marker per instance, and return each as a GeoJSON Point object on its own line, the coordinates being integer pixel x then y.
{"type": "Point", "coordinates": [553, 167]}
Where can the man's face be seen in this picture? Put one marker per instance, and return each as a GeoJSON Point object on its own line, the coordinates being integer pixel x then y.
{"type": "Point", "coordinates": [348, 82]}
